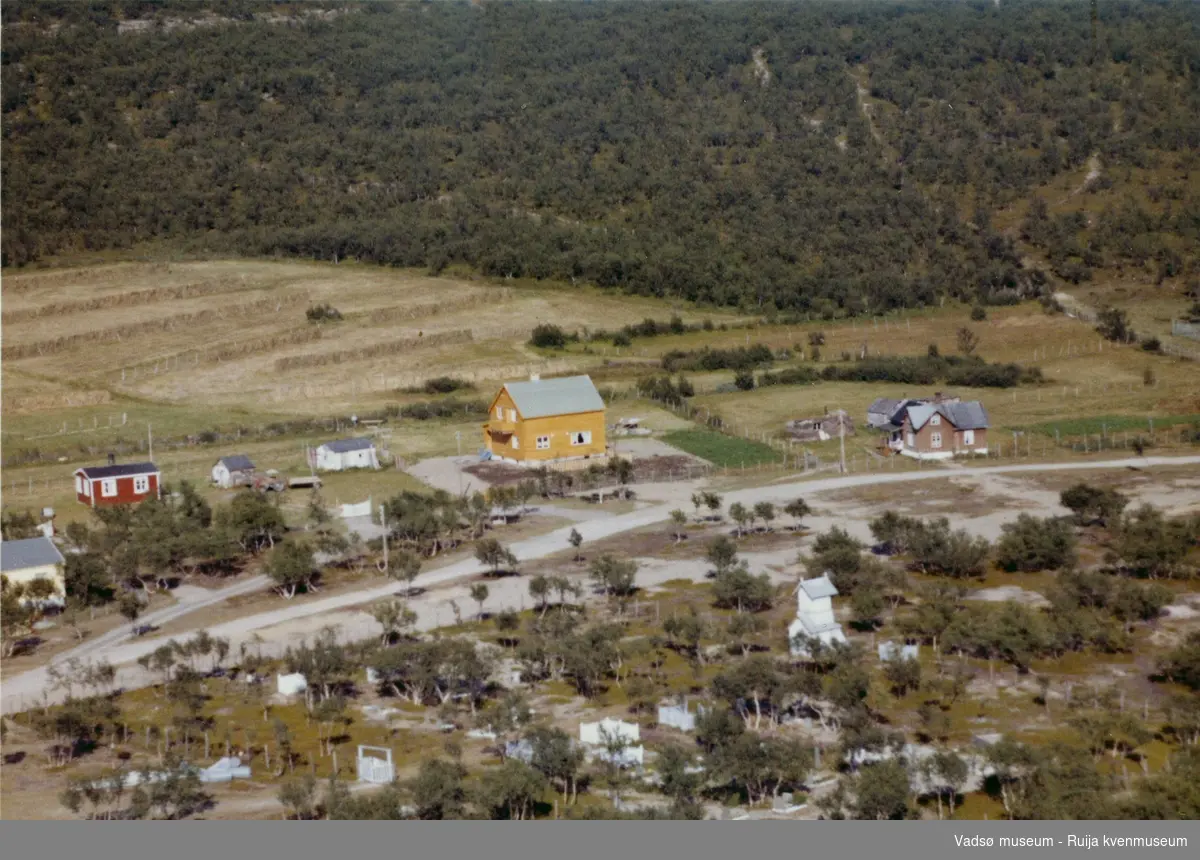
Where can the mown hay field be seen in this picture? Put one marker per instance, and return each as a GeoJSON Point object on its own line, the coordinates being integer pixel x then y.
{"type": "Point", "coordinates": [1085, 376]}
{"type": "Point", "coordinates": [225, 371]}
{"type": "Point", "coordinates": [102, 357]}
{"type": "Point", "coordinates": [234, 333]}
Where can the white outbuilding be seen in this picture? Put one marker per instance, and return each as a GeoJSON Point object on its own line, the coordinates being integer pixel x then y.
{"type": "Point", "coordinates": [599, 733]}
{"type": "Point", "coordinates": [814, 615]}
{"type": "Point", "coordinates": [233, 471]}
{"type": "Point", "coordinates": [342, 454]}
{"type": "Point", "coordinates": [290, 685]}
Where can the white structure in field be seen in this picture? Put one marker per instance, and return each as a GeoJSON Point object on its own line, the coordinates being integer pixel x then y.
{"type": "Point", "coordinates": [598, 734]}
{"type": "Point", "coordinates": [226, 769]}
{"type": "Point", "coordinates": [814, 615]}
{"type": "Point", "coordinates": [375, 765]}
{"type": "Point", "coordinates": [678, 716]}
{"type": "Point", "coordinates": [290, 685]}
{"type": "Point", "coordinates": [361, 509]}
{"type": "Point", "coordinates": [342, 454]}
{"type": "Point", "coordinates": [620, 742]}
{"type": "Point", "coordinates": [626, 757]}
{"type": "Point", "coordinates": [892, 651]}
{"type": "Point", "coordinates": [233, 471]}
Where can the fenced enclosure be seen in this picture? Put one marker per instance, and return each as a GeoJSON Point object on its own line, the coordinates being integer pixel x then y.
{"type": "Point", "coordinates": [375, 765]}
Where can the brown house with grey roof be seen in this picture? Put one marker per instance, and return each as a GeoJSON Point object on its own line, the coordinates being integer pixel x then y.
{"type": "Point", "coordinates": [939, 431]}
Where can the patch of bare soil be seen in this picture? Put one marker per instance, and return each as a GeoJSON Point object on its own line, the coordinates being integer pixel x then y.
{"type": "Point", "coordinates": [961, 497]}
{"type": "Point", "coordinates": [659, 542]}
{"type": "Point", "coordinates": [646, 470]}
{"type": "Point", "coordinates": [1006, 593]}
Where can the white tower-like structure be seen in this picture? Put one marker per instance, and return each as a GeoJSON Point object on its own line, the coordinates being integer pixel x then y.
{"type": "Point", "coordinates": [814, 615]}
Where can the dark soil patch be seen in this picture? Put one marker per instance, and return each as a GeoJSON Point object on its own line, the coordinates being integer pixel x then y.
{"type": "Point", "coordinates": [646, 470]}
{"type": "Point", "coordinates": [658, 541]}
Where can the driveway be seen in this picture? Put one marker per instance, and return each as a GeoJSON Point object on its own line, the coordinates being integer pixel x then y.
{"type": "Point", "coordinates": [638, 447]}
{"type": "Point", "coordinates": [446, 473]}
{"type": "Point", "coordinates": [25, 690]}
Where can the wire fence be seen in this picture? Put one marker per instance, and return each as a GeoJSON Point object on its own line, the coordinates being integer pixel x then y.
{"type": "Point", "coordinates": [1010, 445]}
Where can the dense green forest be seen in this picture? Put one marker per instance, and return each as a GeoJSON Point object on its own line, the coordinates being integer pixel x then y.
{"type": "Point", "coordinates": [715, 152]}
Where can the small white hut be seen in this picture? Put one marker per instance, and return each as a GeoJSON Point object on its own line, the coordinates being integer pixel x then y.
{"type": "Point", "coordinates": [342, 454]}
{"type": "Point", "coordinates": [234, 471]}
{"type": "Point", "coordinates": [814, 615]}
{"type": "Point", "coordinates": [597, 734]}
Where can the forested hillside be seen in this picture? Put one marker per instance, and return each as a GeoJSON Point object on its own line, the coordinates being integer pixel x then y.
{"type": "Point", "coordinates": [831, 157]}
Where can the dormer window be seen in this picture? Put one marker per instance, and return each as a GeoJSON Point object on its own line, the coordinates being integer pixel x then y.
{"type": "Point", "coordinates": [935, 420]}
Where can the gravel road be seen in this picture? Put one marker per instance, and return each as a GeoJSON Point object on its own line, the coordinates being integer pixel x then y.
{"type": "Point", "coordinates": [26, 689]}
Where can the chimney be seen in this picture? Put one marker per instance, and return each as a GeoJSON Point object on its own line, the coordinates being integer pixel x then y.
{"type": "Point", "coordinates": [535, 377]}
{"type": "Point", "coordinates": [112, 459]}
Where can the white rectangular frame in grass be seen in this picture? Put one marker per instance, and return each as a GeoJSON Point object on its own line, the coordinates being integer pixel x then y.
{"type": "Point", "coordinates": [375, 769]}
{"type": "Point", "coordinates": [361, 509]}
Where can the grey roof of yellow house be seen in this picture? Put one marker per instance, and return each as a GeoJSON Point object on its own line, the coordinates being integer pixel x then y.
{"type": "Point", "coordinates": [964, 416]}
{"type": "Point", "coordinates": [32, 552]}
{"type": "Point", "coordinates": [568, 395]}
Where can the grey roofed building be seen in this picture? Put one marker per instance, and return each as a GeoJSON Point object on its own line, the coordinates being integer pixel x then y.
{"type": "Point", "coordinates": [236, 462]}
{"type": "Point", "coordinates": [887, 413]}
{"type": "Point", "coordinates": [568, 395]}
{"type": "Point", "coordinates": [31, 552]}
{"type": "Point", "coordinates": [818, 588]}
{"type": "Point", "coordinates": [341, 446]}
{"type": "Point", "coordinates": [965, 416]}
{"type": "Point", "coordinates": [121, 471]}
{"type": "Point", "coordinates": [880, 412]}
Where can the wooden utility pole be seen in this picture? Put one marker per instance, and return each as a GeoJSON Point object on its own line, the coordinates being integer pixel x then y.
{"type": "Point", "coordinates": [842, 441]}
{"type": "Point", "coordinates": [383, 522]}
{"type": "Point", "coordinates": [150, 443]}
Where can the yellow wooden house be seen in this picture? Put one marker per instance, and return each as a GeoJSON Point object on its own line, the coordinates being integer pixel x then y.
{"type": "Point", "coordinates": [545, 419]}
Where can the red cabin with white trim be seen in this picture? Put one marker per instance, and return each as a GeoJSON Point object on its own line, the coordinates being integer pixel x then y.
{"type": "Point", "coordinates": [126, 484]}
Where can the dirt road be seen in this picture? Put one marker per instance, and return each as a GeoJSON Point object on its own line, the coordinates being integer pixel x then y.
{"type": "Point", "coordinates": [26, 690]}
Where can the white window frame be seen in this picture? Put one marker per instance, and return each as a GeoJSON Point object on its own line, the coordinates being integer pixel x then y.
{"type": "Point", "coordinates": [935, 440]}
{"type": "Point", "coordinates": [141, 484]}
{"type": "Point", "coordinates": [935, 420]}
{"type": "Point", "coordinates": [968, 437]}
{"type": "Point", "coordinates": [516, 442]}
{"type": "Point", "coordinates": [512, 415]}
{"type": "Point", "coordinates": [499, 413]}
{"type": "Point", "coordinates": [108, 487]}
{"type": "Point", "coordinates": [910, 439]}
{"type": "Point", "coordinates": [543, 443]}
{"type": "Point", "coordinates": [581, 437]}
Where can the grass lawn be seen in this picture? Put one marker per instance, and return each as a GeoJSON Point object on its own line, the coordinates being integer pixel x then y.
{"type": "Point", "coordinates": [722, 450]}
{"type": "Point", "coordinates": [1085, 377]}
{"type": "Point", "coordinates": [1110, 423]}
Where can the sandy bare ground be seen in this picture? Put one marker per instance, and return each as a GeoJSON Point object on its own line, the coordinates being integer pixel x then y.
{"type": "Point", "coordinates": [446, 473]}
{"type": "Point", "coordinates": [296, 620]}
